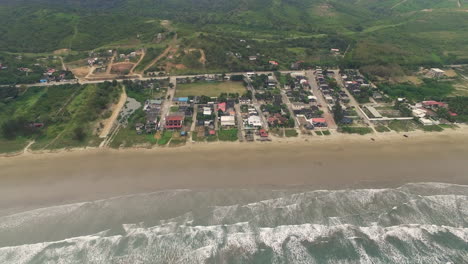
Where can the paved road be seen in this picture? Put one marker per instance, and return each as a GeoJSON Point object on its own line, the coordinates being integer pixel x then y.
{"type": "Point", "coordinates": [256, 104]}
{"type": "Point", "coordinates": [288, 103]}
{"type": "Point", "coordinates": [134, 78]}
{"type": "Point", "coordinates": [321, 100]}
{"type": "Point", "coordinates": [352, 100]}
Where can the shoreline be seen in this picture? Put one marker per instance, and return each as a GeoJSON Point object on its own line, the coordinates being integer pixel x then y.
{"type": "Point", "coordinates": [334, 162]}
{"type": "Point", "coordinates": [378, 137]}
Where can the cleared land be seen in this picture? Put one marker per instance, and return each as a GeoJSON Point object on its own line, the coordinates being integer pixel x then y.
{"type": "Point", "coordinates": [209, 88]}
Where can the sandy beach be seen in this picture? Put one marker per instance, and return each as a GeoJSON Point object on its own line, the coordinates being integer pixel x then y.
{"type": "Point", "coordinates": [334, 162]}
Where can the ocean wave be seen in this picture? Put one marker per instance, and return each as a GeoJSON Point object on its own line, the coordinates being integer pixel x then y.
{"type": "Point", "coordinates": [415, 223]}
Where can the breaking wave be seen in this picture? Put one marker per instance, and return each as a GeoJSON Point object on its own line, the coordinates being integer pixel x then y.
{"type": "Point", "coordinates": [415, 223]}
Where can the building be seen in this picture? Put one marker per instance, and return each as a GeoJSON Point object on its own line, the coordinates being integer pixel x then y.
{"type": "Point", "coordinates": [374, 112]}
{"type": "Point", "coordinates": [433, 104]}
{"type": "Point", "coordinates": [174, 121]}
{"type": "Point", "coordinates": [207, 111]}
{"type": "Point", "coordinates": [263, 133]}
{"type": "Point", "coordinates": [435, 73]}
{"type": "Point", "coordinates": [254, 121]}
{"type": "Point", "coordinates": [319, 122]}
{"type": "Point", "coordinates": [228, 121]}
{"type": "Point", "coordinates": [419, 112]}
{"type": "Point", "coordinates": [222, 107]}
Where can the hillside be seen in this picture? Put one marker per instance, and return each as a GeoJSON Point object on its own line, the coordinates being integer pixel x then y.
{"type": "Point", "coordinates": [406, 32]}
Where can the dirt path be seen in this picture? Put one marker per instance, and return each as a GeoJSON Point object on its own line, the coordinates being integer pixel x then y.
{"type": "Point", "coordinates": [399, 3]}
{"type": "Point", "coordinates": [459, 4]}
{"type": "Point", "coordinates": [109, 67]}
{"type": "Point", "coordinates": [64, 67]}
{"type": "Point", "coordinates": [115, 114]}
{"type": "Point", "coordinates": [91, 70]}
{"type": "Point", "coordinates": [164, 54]}
{"type": "Point", "coordinates": [138, 62]}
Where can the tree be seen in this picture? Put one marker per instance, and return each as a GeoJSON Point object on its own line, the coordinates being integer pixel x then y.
{"type": "Point", "coordinates": [338, 112]}
{"type": "Point", "coordinates": [79, 134]}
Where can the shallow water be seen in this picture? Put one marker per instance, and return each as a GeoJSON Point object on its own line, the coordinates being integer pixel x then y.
{"type": "Point", "coordinates": [414, 223]}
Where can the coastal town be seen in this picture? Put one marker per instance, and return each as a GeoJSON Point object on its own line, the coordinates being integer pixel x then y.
{"type": "Point", "coordinates": [152, 107]}
{"type": "Point", "coordinates": [269, 106]}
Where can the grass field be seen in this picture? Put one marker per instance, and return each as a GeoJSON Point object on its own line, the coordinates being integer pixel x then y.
{"type": "Point", "coordinates": [290, 133]}
{"type": "Point", "coordinates": [228, 135]}
{"type": "Point", "coordinates": [211, 89]}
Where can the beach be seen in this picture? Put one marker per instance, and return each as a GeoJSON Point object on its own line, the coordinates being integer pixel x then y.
{"type": "Point", "coordinates": [338, 162]}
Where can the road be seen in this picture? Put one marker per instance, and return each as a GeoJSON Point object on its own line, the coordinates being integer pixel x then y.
{"type": "Point", "coordinates": [288, 103]}
{"type": "Point", "coordinates": [321, 100]}
{"type": "Point", "coordinates": [166, 107]}
{"type": "Point", "coordinates": [132, 78]}
{"type": "Point", "coordinates": [256, 104]}
{"type": "Point", "coordinates": [352, 100]}
{"type": "Point", "coordinates": [240, 123]}
{"type": "Point", "coordinates": [109, 123]}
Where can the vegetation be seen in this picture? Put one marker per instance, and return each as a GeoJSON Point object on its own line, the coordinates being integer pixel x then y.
{"type": "Point", "coordinates": [210, 89]}
{"type": "Point", "coordinates": [356, 130]}
{"type": "Point", "coordinates": [290, 133]}
{"type": "Point", "coordinates": [391, 34]}
{"type": "Point", "coordinates": [427, 90]}
{"type": "Point", "coordinates": [56, 116]}
{"type": "Point", "coordinates": [165, 138]}
{"type": "Point", "coordinates": [382, 129]}
{"type": "Point", "coordinates": [228, 134]}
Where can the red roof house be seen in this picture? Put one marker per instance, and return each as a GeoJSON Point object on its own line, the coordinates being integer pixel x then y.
{"type": "Point", "coordinates": [263, 133]}
{"type": "Point", "coordinates": [433, 104]}
{"type": "Point", "coordinates": [174, 121]}
{"type": "Point", "coordinates": [222, 107]}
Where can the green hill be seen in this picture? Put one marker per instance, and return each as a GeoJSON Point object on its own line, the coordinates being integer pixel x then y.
{"type": "Point", "coordinates": [405, 32]}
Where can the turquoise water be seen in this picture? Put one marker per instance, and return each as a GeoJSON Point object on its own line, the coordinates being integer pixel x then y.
{"type": "Point", "coordinates": [415, 223]}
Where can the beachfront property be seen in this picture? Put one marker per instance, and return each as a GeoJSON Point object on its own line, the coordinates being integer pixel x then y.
{"type": "Point", "coordinates": [174, 121]}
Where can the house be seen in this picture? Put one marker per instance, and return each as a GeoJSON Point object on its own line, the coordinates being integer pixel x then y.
{"type": "Point", "coordinates": [435, 73]}
{"type": "Point", "coordinates": [377, 96]}
{"type": "Point", "coordinates": [312, 98]}
{"type": "Point", "coordinates": [273, 63]}
{"type": "Point", "coordinates": [319, 122]}
{"type": "Point", "coordinates": [427, 122]}
{"type": "Point", "coordinates": [297, 106]}
{"type": "Point", "coordinates": [254, 121]}
{"type": "Point", "coordinates": [271, 81]}
{"type": "Point", "coordinates": [252, 58]}
{"type": "Point", "coordinates": [433, 104]}
{"type": "Point", "coordinates": [207, 111]}
{"type": "Point", "coordinates": [228, 121]}
{"type": "Point", "coordinates": [174, 121]}
{"type": "Point", "coordinates": [419, 112]}
{"type": "Point", "coordinates": [222, 107]}
{"type": "Point", "coordinates": [263, 133]}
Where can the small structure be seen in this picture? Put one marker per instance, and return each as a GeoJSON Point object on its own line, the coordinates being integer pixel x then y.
{"type": "Point", "coordinates": [228, 121]}
{"type": "Point", "coordinates": [207, 111]}
{"type": "Point", "coordinates": [435, 73]}
{"type": "Point", "coordinates": [174, 121]}
{"type": "Point", "coordinates": [222, 107]}
{"type": "Point", "coordinates": [433, 104]}
{"type": "Point", "coordinates": [419, 112]}
{"type": "Point", "coordinates": [254, 121]}
{"type": "Point", "coordinates": [374, 112]}
{"type": "Point", "coordinates": [319, 122]}
{"type": "Point", "coordinates": [263, 133]}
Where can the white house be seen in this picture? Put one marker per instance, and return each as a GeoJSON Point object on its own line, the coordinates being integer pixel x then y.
{"type": "Point", "coordinates": [254, 121]}
{"type": "Point", "coordinates": [228, 121]}
{"type": "Point", "coordinates": [207, 111]}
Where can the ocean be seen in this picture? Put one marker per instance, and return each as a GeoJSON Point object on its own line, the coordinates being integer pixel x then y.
{"type": "Point", "coordinates": [414, 223]}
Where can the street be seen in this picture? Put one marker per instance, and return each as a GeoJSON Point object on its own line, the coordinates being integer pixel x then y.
{"type": "Point", "coordinates": [321, 100]}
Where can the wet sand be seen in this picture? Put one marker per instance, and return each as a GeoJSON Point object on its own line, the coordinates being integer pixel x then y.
{"type": "Point", "coordinates": [39, 180]}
